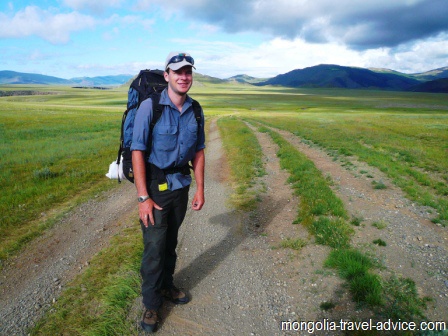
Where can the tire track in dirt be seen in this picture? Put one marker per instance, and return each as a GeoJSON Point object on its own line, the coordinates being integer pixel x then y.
{"type": "Point", "coordinates": [307, 283]}
{"type": "Point", "coordinates": [416, 248]}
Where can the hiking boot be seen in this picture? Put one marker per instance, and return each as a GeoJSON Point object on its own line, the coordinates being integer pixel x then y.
{"type": "Point", "coordinates": [175, 295]}
{"type": "Point", "coordinates": [149, 321]}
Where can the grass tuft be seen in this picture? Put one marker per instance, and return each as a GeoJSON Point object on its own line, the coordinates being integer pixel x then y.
{"type": "Point", "coordinates": [295, 244]}
{"type": "Point", "coordinates": [380, 242]}
{"type": "Point", "coordinates": [380, 225]}
{"type": "Point", "coordinates": [378, 185]}
{"type": "Point", "coordinates": [334, 232]}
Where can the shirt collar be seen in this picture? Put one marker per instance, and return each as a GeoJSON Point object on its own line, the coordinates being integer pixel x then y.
{"type": "Point", "coordinates": [165, 100]}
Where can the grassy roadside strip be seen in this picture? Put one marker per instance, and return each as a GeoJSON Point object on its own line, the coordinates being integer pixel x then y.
{"type": "Point", "coordinates": [97, 302]}
{"type": "Point", "coordinates": [245, 160]}
{"type": "Point", "coordinates": [323, 213]}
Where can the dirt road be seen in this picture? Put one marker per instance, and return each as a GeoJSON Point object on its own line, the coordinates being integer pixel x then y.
{"type": "Point", "coordinates": [240, 281]}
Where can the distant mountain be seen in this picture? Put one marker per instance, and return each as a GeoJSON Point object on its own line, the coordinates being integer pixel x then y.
{"type": "Point", "coordinates": [335, 76]}
{"type": "Point", "coordinates": [101, 80]}
{"type": "Point", "coordinates": [199, 78]}
{"type": "Point", "coordinates": [435, 86]}
{"type": "Point", "coordinates": [389, 71]}
{"type": "Point", "coordinates": [12, 77]}
{"type": "Point", "coordinates": [320, 76]}
{"type": "Point", "coordinates": [246, 79]}
{"type": "Point", "coordinates": [432, 75]}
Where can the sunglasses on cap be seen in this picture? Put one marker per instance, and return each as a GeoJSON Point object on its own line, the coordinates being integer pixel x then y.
{"type": "Point", "coordinates": [180, 58]}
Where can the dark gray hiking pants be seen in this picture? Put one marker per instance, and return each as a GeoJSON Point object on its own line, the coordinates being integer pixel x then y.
{"type": "Point", "coordinates": [160, 242]}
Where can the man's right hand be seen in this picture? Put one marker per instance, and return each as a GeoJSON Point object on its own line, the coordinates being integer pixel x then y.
{"type": "Point", "coordinates": [145, 210]}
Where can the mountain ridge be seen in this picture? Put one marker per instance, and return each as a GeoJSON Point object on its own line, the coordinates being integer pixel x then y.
{"type": "Point", "coordinates": [319, 76]}
{"type": "Point", "coordinates": [337, 76]}
{"type": "Point", "coordinates": [14, 77]}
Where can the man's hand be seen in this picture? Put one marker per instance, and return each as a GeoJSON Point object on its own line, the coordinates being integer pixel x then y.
{"type": "Point", "coordinates": [145, 210]}
{"type": "Point", "coordinates": [198, 201]}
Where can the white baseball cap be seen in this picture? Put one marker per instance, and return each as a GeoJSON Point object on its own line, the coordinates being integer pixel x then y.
{"type": "Point", "coordinates": [176, 60]}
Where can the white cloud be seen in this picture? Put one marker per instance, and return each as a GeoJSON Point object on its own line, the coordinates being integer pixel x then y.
{"type": "Point", "coordinates": [414, 57]}
{"type": "Point", "coordinates": [280, 56]}
{"type": "Point", "coordinates": [53, 27]}
{"type": "Point", "coordinates": [94, 6]}
{"type": "Point", "coordinates": [268, 59]}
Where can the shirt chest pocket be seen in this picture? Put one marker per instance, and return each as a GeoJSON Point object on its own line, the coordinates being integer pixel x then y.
{"type": "Point", "coordinates": [191, 135]}
{"type": "Point", "coordinates": [165, 137]}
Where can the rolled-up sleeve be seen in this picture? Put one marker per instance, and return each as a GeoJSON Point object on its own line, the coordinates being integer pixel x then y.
{"type": "Point", "coordinates": [141, 130]}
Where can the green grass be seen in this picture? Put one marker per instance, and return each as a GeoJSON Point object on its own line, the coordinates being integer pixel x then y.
{"type": "Point", "coordinates": [97, 302]}
{"type": "Point", "coordinates": [401, 300]}
{"type": "Point", "coordinates": [355, 267]}
{"type": "Point", "coordinates": [380, 242]}
{"type": "Point", "coordinates": [245, 159]}
{"type": "Point", "coordinates": [54, 148]}
{"type": "Point", "coordinates": [394, 298]}
{"type": "Point", "coordinates": [380, 225]}
{"type": "Point", "coordinates": [356, 220]}
{"type": "Point", "coordinates": [295, 244]}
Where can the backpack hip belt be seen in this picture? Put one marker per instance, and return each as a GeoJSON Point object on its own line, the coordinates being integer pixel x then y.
{"type": "Point", "coordinates": [155, 173]}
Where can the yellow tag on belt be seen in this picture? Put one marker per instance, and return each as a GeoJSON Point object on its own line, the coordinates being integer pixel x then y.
{"type": "Point", "coordinates": [163, 186]}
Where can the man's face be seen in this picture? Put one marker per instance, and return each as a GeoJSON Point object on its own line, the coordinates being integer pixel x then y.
{"type": "Point", "coordinates": [180, 81]}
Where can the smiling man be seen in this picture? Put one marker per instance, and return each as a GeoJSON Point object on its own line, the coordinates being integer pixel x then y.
{"type": "Point", "coordinates": [160, 157]}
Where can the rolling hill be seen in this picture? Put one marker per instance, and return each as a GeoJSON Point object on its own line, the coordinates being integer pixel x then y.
{"type": "Point", "coordinates": [12, 77]}
{"type": "Point", "coordinates": [101, 80]}
{"type": "Point", "coordinates": [336, 76]}
{"type": "Point", "coordinates": [432, 75]}
{"type": "Point", "coordinates": [246, 79]}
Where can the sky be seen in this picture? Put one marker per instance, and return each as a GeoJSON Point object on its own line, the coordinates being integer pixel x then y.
{"type": "Point", "coordinates": [260, 38]}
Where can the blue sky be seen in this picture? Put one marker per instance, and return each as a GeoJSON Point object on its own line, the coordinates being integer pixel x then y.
{"type": "Point", "coordinates": [261, 38]}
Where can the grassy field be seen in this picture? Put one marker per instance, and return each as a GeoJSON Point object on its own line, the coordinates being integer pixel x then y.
{"type": "Point", "coordinates": [56, 148]}
{"type": "Point", "coordinates": [403, 134]}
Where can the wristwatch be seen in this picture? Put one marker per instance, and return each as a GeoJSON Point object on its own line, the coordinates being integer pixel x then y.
{"type": "Point", "coordinates": [141, 199]}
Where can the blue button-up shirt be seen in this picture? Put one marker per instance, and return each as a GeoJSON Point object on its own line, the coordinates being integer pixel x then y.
{"type": "Point", "coordinates": [175, 138]}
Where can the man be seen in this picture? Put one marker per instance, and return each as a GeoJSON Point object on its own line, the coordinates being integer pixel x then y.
{"type": "Point", "coordinates": [163, 181]}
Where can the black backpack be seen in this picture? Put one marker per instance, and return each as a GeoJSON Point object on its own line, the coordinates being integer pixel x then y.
{"type": "Point", "coordinates": [148, 84]}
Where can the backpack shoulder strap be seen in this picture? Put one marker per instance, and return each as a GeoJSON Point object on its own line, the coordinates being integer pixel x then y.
{"type": "Point", "coordinates": [157, 110]}
{"type": "Point", "coordinates": [197, 112]}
